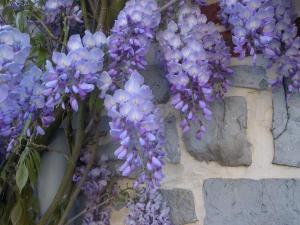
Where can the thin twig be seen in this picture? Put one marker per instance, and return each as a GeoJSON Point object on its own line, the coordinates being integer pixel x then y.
{"type": "Point", "coordinates": [65, 33]}
{"type": "Point", "coordinates": [167, 5]}
{"type": "Point", "coordinates": [102, 16]}
{"type": "Point", "coordinates": [49, 32]}
{"type": "Point", "coordinates": [90, 125]}
{"type": "Point", "coordinates": [84, 14]}
{"type": "Point", "coordinates": [70, 221]}
{"type": "Point", "coordinates": [93, 8]}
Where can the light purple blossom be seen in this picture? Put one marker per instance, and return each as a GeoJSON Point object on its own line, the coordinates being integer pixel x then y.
{"type": "Point", "coordinates": [76, 74]}
{"type": "Point", "coordinates": [197, 64]}
{"type": "Point", "coordinates": [136, 124]}
{"type": "Point", "coordinates": [131, 37]}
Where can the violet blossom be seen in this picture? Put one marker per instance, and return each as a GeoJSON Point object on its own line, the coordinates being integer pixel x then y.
{"type": "Point", "coordinates": [131, 37]}
{"type": "Point", "coordinates": [76, 74]}
{"type": "Point", "coordinates": [136, 124]}
{"type": "Point", "coordinates": [197, 64]}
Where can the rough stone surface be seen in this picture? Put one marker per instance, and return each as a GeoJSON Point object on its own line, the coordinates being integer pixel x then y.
{"type": "Point", "coordinates": [154, 78]}
{"type": "Point", "coordinates": [246, 76]}
{"type": "Point", "coordinates": [225, 140]}
{"type": "Point", "coordinates": [252, 202]}
{"type": "Point", "coordinates": [280, 114]}
{"type": "Point", "coordinates": [287, 141]}
{"type": "Point", "coordinates": [172, 139]}
{"type": "Point", "coordinates": [182, 206]}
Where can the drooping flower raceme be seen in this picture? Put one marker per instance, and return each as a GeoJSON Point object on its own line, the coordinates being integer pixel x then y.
{"type": "Point", "coordinates": [259, 26]}
{"type": "Point", "coordinates": [94, 189]}
{"type": "Point", "coordinates": [21, 97]}
{"type": "Point", "coordinates": [137, 125]}
{"type": "Point", "coordinates": [131, 37]}
{"type": "Point", "coordinates": [14, 49]}
{"type": "Point", "coordinates": [285, 29]}
{"type": "Point", "coordinates": [148, 208]}
{"type": "Point", "coordinates": [267, 27]}
{"type": "Point", "coordinates": [77, 73]}
{"type": "Point", "coordinates": [252, 24]}
{"type": "Point", "coordinates": [289, 66]}
{"type": "Point", "coordinates": [197, 62]}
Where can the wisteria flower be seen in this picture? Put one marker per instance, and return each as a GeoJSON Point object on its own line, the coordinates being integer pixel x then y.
{"type": "Point", "coordinates": [136, 124]}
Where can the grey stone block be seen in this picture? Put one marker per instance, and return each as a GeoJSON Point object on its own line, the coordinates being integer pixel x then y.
{"type": "Point", "coordinates": [252, 202]}
{"type": "Point", "coordinates": [225, 140]}
{"type": "Point", "coordinates": [182, 206]}
{"type": "Point", "coordinates": [286, 129]}
{"type": "Point", "coordinates": [280, 113]}
{"type": "Point", "coordinates": [246, 76]}
{"type": "Point", "coordinates": [172, 139]}
{"type": "Point", "coordinates": [155, 79]}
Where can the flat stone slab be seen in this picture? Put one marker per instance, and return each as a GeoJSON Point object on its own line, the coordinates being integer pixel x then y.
{"type": "Point", "coordinates": [155, 78]}
{"type": "Point", "coordinates": [246, 76]}
{"type": "Point", "coordinates": [225, 140]}
{"type": "Point", "coordinates": [286, 128]}
{"type": "Point", "coordinates": [252, 202]}
{"type": "Point", "coordinates": [181, 204]}
{"type": "Point", "coordinates": [172, 147]}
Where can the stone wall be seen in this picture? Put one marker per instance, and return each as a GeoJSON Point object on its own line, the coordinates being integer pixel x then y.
{"type": "Point", "coordinates": [238, 159]}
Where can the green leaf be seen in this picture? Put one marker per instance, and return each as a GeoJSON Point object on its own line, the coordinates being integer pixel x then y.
{"type": "Point", "coordinates": [33, 164]}
{"type": "Point", "coordinates": [4, 2]}
{"type": "Point", "coordinates": [21, 21]}
{"type": "Point", "coordinates": [16, 213]}
{"type": "Point", "coordinates": [42, 56]}
{"type": "Point", "coordinates": [22, 176]}
{"type": "Point", "coordinates": [8, 14]}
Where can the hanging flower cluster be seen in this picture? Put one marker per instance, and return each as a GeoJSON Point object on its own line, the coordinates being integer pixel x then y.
{"type": "Point", "coordinates": [252, 24]}
{"type": "Point", "coordinates": [77, 73]}
{"type": "Point", "coordinates": [135, 119]}
{"type": "Point", "coordinates": [136, 124]}
{"type": "Point", "coordinates": [20, 89]}
{"type": "Point", "coordinates": [267, 27]}
{"type": "Point", "coordinates": [148, 208]}
{"type": "Point", "coordinates": [131, 37]}
{"type": "Point", "coordinates": [197, 62]}
{"type": "Point", "coordinates": [94, 189]}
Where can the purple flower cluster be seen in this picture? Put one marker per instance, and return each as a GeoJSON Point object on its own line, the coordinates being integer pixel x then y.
{"type": "Point", "coordinates": [131, 37]}
{"type": "Point", "coordinates": [136, 124]}
{"type": "Point", "coordinates": [94, 189]}
{"type": "Point", "coordinates": [197, 62]}
{"type": "Point", "coordinates": [76, 73]}
{"type": "Point", "coordinates": [21, 90]}
{"type": "Point", "coordinates": [148, 208]}
{"type": "Point", "coordinates": [289, 66]}
{"type": "Point", "coordinates": [14, 49]}
{"type": "Point", "coordinates": [267, 27]}
{"type": "Point", "coordinates": [259, 26]}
